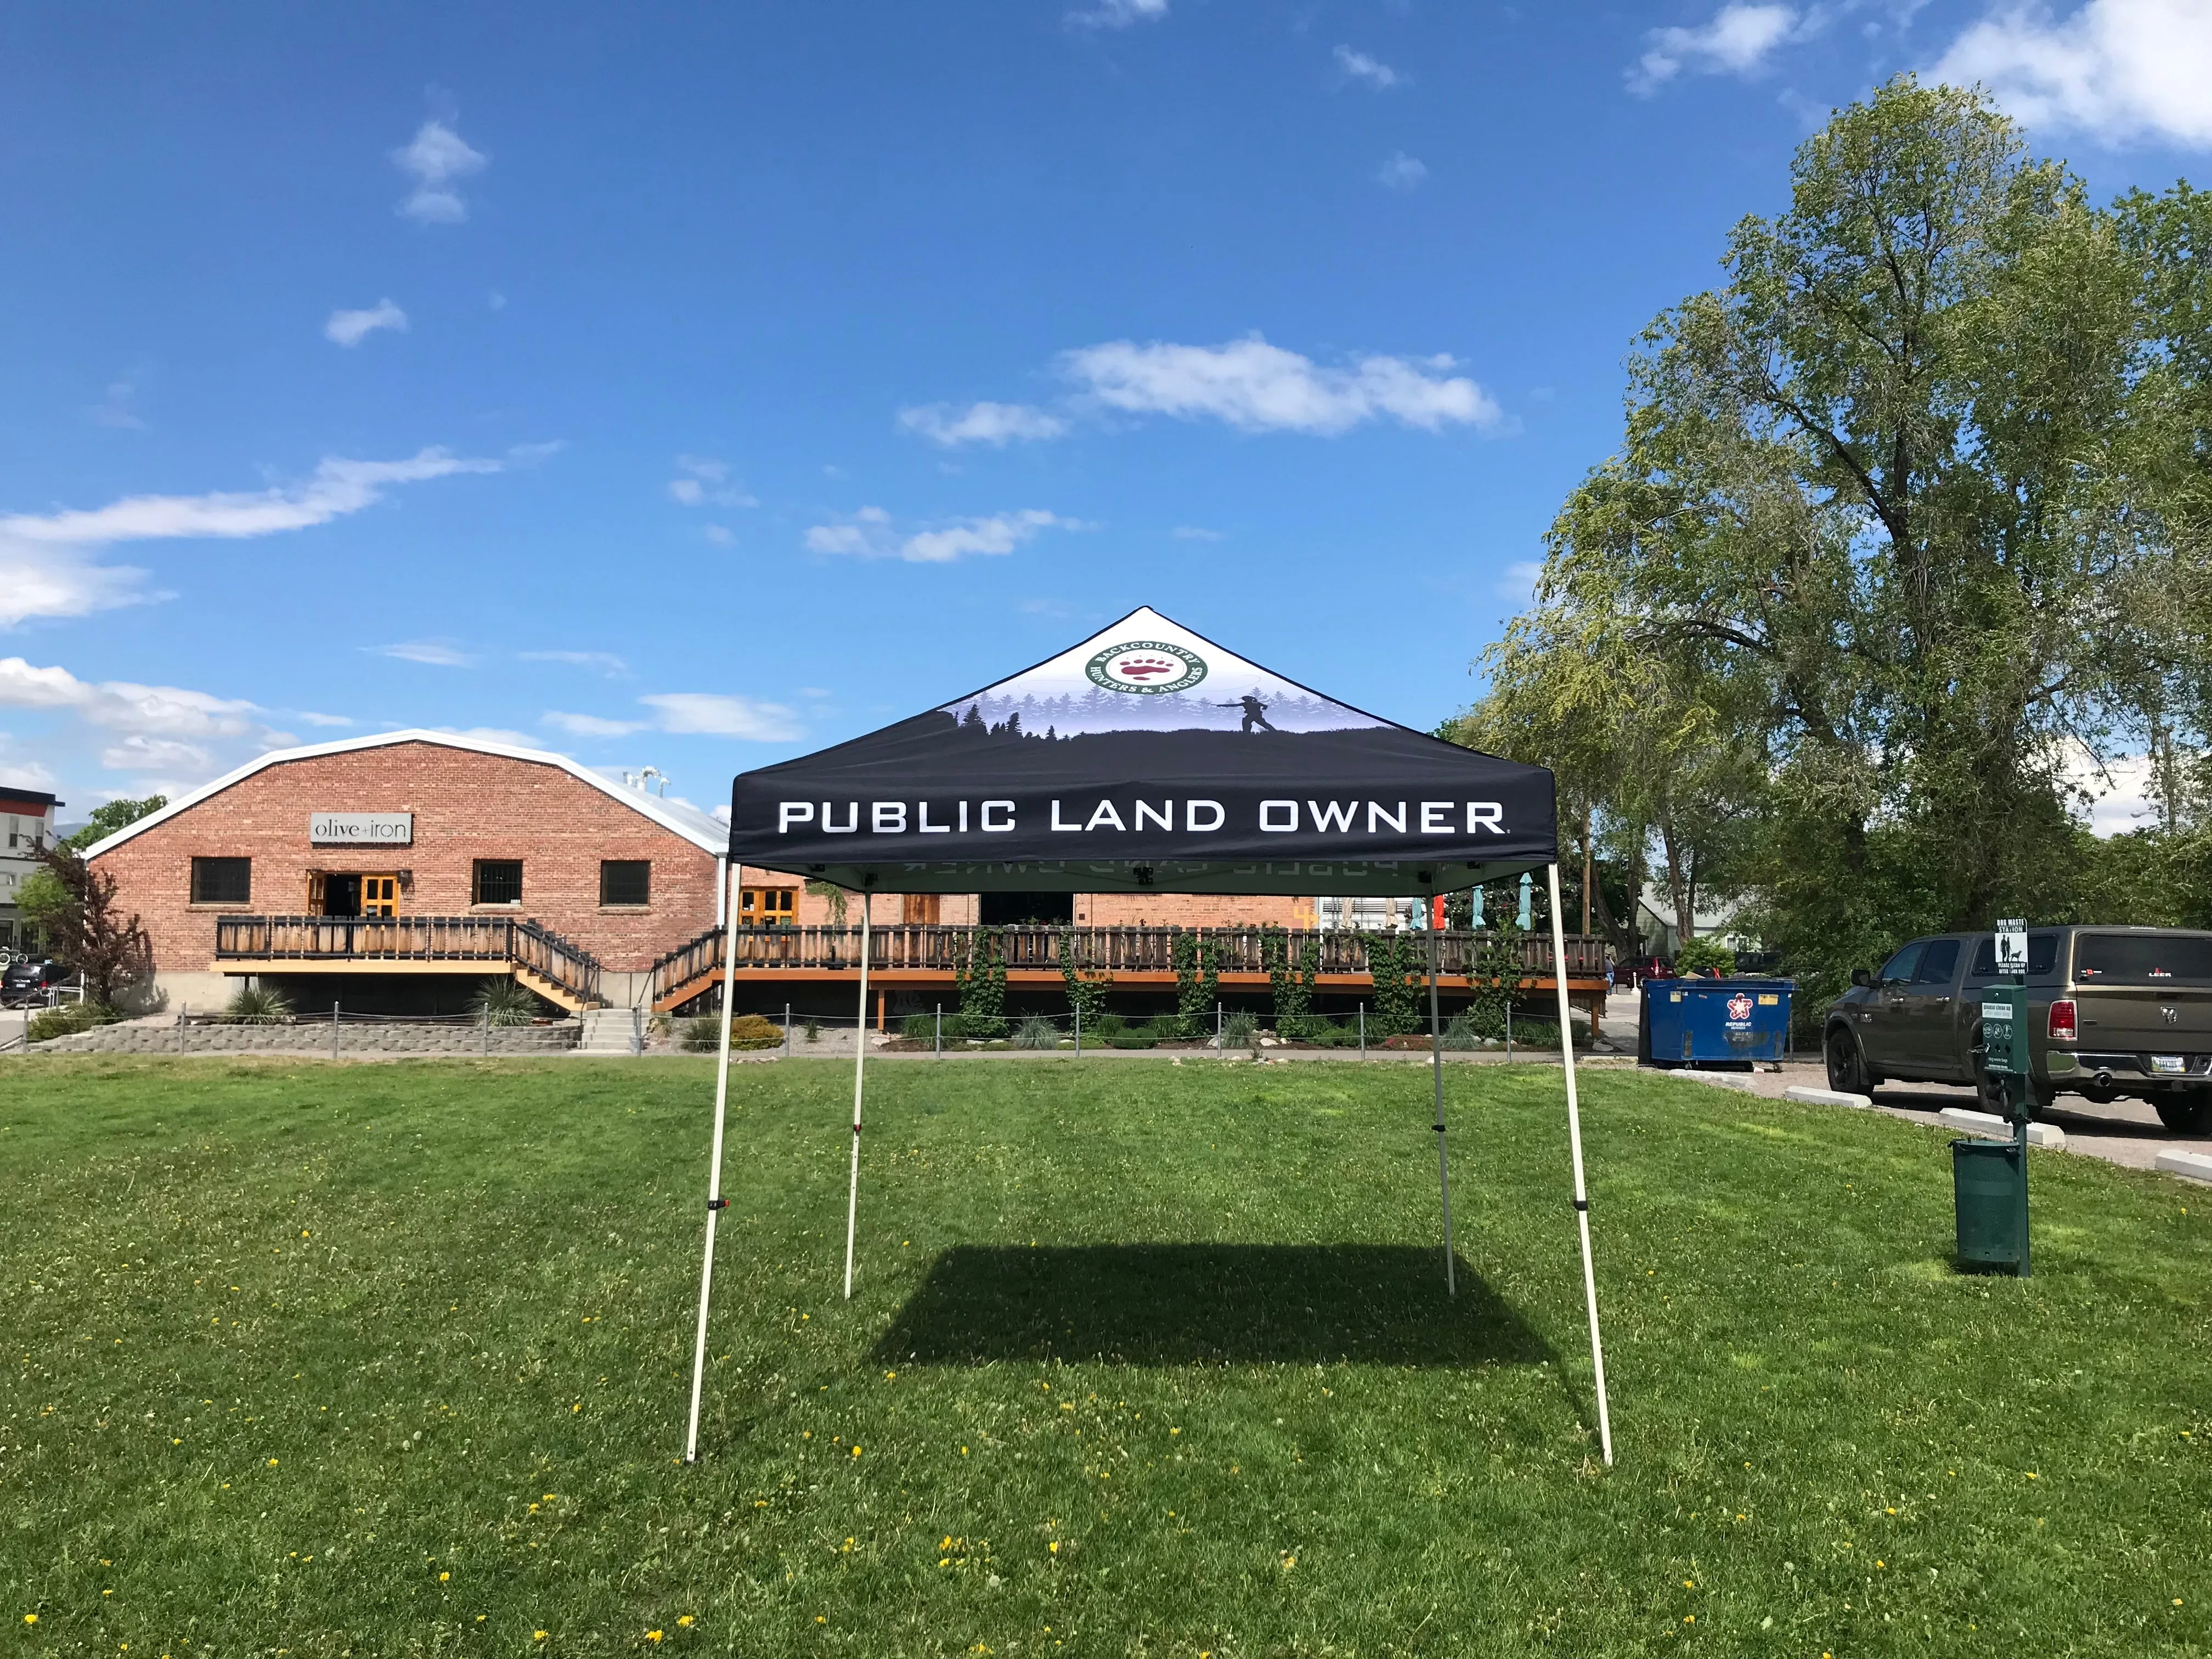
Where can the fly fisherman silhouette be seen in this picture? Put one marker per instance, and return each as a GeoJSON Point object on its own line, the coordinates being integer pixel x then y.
{"type": "Point", "coordinates": [1255, 714]}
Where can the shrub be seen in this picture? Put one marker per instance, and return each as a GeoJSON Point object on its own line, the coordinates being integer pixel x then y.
{"type": "Point", "coordinates": [1197, 982]}
{"type": "Point", "coordinates": [1104, 1027]}
{"type": "Point", "coordinates": [257, 1005]}
{"type": "Point", "coordinates": [1292, 978]}
{"type": "Point", "coordinates": [1087, 984]}
{"type": "Point", "coordinates": [703, 1035]}
{"type": "Point", "coordinates": [1705, 955]}
{"type": "Point", "coordinates": [67, 1019]}
{"type": "Point", "coordinates": [919, 1028]}
{"type": "Point", "coordinates": [1461, 1032]}
{"type": "Point", "coordinates": [1132, 1036]}
{"type": "Point", "coordinates": [813, 1029]}
{"type": "Point", "coordinates": [1036, 1032]}
{"type": "Point", "coordinates": [1239, 1030]}
{"type": "Point", "coordinates": [503, 1002]}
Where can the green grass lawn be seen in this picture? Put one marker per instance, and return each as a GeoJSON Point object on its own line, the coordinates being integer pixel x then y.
{"type": "Point", "coordinates": [1144, 1359]}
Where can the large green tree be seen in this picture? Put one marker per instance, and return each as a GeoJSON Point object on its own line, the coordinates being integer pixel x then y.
{"type": "Point", "coordinates": [1904, 531]}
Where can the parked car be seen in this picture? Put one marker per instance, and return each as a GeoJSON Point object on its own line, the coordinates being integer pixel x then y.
{"type": "Point", "coordinates": [2112, 1011]}
{"type": "Point", "coordinates": [24, 983]}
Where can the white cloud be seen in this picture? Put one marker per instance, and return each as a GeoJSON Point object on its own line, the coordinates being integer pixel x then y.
{"type": "Point", "coordinates": [30, 775]}
{"type": "Point", "coordinates": [1519, 582]}
{"type": "Point", "coordinates": [720, 534]}
{"type": "Point", "coordinates": [437, 158]}
{"type": "Point", "coordinates": [591, 725]}
{"type": "Point", "coordinates": [115, 410]}
{"type": "Point", "coordinates": [1737, 41]}
{"type": "Point", "coordinates": [125, 706]}
{"type": "Point", "coordinates": [351, 328]}
{"type": "Point", "coordinates": [44, 567]}
{"type": "Point", "coordinates": [1258, 387]}
{"type": "Point", "coordinates": [62, 582]}
{"type": "Point", "coordinates": [997, 424]}
{"type": "Point", "coordinates": [144, 753]}
{"type": "Point", "coordinates": [2116, 70]}
{"type": "Point", "coordinates": [606, 662]}
{"type": "Point", "coordinates": [1358, 66]}
{"type": "Point", "coordinates": [313, 719]}
{"type": "Point", "coordinates": [869, 534]}
{"type": "Point", "coordinates": [437, 654]}
{"type": "Point", "coordinates": [701, 478]}
{"type": "Point", "coordinates": [1118, 14]}
{"type": "Point", "coordinates": [338, 487]}
{"type": "Point", "coordinates": [710, 714]}
{"type": "Point", "coordinates": [1401, 172]}
{"type": "Point", "coordinates": [1191, 532]}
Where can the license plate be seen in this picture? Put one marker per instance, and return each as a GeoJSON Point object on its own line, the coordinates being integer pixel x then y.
{"type": "Point", "coordinates": [2167, 1063]}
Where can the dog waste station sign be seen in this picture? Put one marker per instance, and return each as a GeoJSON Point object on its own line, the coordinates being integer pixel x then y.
{"type": "Point", "coordinates": [1989, 1177]}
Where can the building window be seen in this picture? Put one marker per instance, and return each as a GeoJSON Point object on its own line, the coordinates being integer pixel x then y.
{"type": "Point", "coordinates": [498, 881]}
{"type": "Point", "coordinates": [222, 881]}
{"type": "Point", "coordinates": [625, 881]}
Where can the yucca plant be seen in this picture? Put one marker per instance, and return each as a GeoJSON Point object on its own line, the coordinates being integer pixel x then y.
{"type": "Point", "coordinates": [257, 1005]}
{"type": "Point", "coordinates": [1036, 1032]}
{"type": "Point", "coordinates": [503, 1002]}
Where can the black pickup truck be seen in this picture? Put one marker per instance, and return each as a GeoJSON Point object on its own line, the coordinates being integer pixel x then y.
{"type": "Point", "coordinates": [2112, 1011]}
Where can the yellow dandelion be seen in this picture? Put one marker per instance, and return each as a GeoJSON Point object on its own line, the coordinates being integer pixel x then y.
{"type": "Point", "coordinates": [549, 1497]}
{"type": "Point", "coordinates": [856, 1451]}
{"type": "Point", "coordinates": [538, 1635]}
{"type": "Point", "coordinates": [272, 1462]}
{"type": "Point", "coordinates": [1054, 1546]}
{"type": "Point", "coordinates": [1689, 1583]}
{"type": "Point", "coordinates": [443, 1576]}
{"type": "Point", "coordinates": [652, 1636]}
{"type": "Point", "coordinates": [1689, 1618]}
{"type": "Point", "coordinates": [30, 1618]}
{"type": "Point", "coordinates": [686, 1622]}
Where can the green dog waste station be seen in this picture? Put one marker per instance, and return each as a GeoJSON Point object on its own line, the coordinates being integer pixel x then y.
{"type": "Point", "coordinates": [1989, 1177]}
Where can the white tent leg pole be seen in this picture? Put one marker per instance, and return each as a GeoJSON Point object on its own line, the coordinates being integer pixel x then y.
{"type": "Point", "coordinates": [1436, 1064]}
{"type": "Point", "coordinates": [859, 1065]}
{"type": "Point", "coordinates": [1575, 1142]}
{"type": "Point", "coordinates": [714, 1181]}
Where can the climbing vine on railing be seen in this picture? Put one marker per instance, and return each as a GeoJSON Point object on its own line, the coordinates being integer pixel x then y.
{"type": "Point", "coordinates": [1197, 982]}
{"type": "Point", "coordinates": [1292, 980]}
{"type": "Point", "coordinates": [1087, 983]}
{"type": "Point", "coordinates": [978, 978]}
{"type": "Point", "coordinates": [1399, 966]}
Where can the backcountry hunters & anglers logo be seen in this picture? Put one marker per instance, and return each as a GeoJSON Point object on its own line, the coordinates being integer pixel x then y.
{"type": "Point", "coordinates": [1147, 667]}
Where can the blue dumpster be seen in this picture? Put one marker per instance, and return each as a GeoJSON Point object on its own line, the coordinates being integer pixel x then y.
{"type": "Point", "coordinates": [1713, 1022]}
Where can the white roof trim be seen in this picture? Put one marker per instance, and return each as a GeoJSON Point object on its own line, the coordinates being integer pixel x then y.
{"type": "Point", "coordinates": [695, 827]}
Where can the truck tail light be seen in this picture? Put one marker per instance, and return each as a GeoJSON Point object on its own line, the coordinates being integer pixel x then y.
{"type": "Point", "coordinates": [2061, 1021]}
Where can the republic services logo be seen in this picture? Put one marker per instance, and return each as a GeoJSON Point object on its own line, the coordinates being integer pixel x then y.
{"type": "Point", "coordinates": [1145, 667]}
{"type": "Point", "coordinates": [1739, 1007]}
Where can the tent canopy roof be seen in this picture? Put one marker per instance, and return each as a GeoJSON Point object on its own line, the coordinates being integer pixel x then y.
{"type": "Point", "coordinates": [1145, 758]}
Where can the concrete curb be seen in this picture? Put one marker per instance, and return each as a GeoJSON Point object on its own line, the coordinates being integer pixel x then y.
{"type": "Point", "coordinates": [1805, 1097]}
{"type": "Point", "coordinates": [2190, 1166]}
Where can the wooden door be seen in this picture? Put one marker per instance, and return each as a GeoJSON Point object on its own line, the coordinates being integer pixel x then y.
{"type": "Point", "coordinates": [380, 896]}
{"type": "Point", "coordinates": [768, 907]}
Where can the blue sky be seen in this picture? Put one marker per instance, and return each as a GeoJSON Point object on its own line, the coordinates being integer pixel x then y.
{"type": "Point", "coordinates": [697, 385]}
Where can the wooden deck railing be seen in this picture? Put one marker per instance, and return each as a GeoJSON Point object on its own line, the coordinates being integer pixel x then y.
{"type": "Point", "coordinates": [1124, 950]}
{"type": "Point", "coordinates": [506, 939]}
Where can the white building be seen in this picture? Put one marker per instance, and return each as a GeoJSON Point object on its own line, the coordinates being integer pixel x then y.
{"type": "Point", "coordinates": [27, 818]}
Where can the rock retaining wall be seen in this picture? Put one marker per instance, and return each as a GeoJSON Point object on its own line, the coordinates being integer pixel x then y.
{"type": "Point", "coordinates": [308, 1038]}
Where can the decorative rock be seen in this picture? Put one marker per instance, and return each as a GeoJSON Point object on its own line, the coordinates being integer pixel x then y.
{"type": "Point", "coordinates": [1807, 1097]}
{"type": "Point", "coordinates": [2190, 1166]}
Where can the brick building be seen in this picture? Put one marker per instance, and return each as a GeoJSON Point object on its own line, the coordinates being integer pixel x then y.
{"type": "Point", "coordinates": [395, 873]}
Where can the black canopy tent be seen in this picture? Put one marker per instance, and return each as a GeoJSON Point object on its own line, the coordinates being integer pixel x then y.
{"type": "Point", "coordinates": [1147, 758]}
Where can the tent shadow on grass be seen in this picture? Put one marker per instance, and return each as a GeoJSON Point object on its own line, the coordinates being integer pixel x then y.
{"type": "Point", "coordinates": [1177, 1304]}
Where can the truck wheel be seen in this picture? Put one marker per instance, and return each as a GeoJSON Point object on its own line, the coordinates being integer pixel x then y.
{"type": "Point", "coordinates": [2185, 1114]}
{"type": "Point", "coordinates": [1847, 1066]}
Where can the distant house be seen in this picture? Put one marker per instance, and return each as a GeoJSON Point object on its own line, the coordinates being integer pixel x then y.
{"type": "Point", "coordinates": [1655, 921]}
{"type": "Point", "coordinates": [28, 818]}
